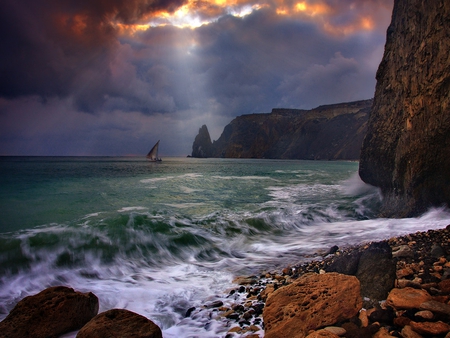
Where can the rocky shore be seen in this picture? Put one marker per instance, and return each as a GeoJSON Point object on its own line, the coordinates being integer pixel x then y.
{"type": "Point", "coordinates": [395, 288]}
{"type": "Point", "coordinates": [411, 302]}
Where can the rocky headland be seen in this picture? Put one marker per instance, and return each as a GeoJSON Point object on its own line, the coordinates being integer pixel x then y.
{"type": "Point", "coordinates": [406, 149]}
{"type": "Point", "coordinates": [330, 132]}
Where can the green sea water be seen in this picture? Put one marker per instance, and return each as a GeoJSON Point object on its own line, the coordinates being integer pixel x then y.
{"type": "Point", "coordinates": [159, 238]}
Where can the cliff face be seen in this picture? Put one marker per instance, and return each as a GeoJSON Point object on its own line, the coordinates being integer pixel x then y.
{"type": "Point", "coordinates": [407, 148]}
{"type": "Point", "coordinates": [332, 132]}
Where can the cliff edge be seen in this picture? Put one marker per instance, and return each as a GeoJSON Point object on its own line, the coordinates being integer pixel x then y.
{"type": "Point", "coordinates": [406, 151]}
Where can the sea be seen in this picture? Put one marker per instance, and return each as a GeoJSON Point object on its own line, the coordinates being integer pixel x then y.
{"type": "Point", "coordinates": [161, 238]}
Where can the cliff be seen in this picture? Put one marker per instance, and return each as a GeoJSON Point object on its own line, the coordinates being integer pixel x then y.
{"type": "Point", "coordinates": [407, 147]}
{"type": "Point", "coordinates": [331, 132]}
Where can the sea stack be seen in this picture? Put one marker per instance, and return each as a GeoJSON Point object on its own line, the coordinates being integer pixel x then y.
{"type": "Point", "coordinates": [406, 151]}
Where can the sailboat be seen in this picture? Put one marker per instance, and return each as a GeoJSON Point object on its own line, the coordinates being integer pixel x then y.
{"type": "Point", "coordinates": [153, 153]}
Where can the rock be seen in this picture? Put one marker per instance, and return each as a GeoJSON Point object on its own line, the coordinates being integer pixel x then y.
{"type": "Point", "coordinates": [444, 286]}
{"type": "Point", "coordinates": [435, 307]}
{"type": "Point", "coordinates": [50, 313]}
{"type": "Point", "coordinates": [202, 146]}
{"type": "Point", "coordinates": [328, 132]}
{"type": "Point", "coordinates": [322, 334]}
{"type": "Point", "coordinates": [425, 314]}
{"type": "Point", "coordinates": [430, 328]}
{"type": "Point", "coordinates": [363, 318]}
{"type": "Point", "coordinates": [408, 332]}
{"type": "Point", "coordinates": [312, 301]}
{"type": "Point", "coordinates": [376, 271]}
{"type": "Point", "coordinates": [407, 298]}
{"type": "Point", "coordinates": [346, 264]}
{"type": "Point", "coordinates": [382, 333]}
{"type": "Point", "coordinates": [405, 151]}
{"type": "Point", "coordinates": [120, 323]}
{"type": "Point", "coordinates": [437, 251]}
{"type": "Point", "coordinates": [403, 251]}
{"type": "Point", "coordinates": [214, 304]}
{"type": "Point", "coordinates": [338, 331]}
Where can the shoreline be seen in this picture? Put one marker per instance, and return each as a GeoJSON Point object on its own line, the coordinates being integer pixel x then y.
{"type": "Point", "coordinates": [422, 261]}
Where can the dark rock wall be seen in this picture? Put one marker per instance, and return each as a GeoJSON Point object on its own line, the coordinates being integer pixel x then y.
{"type": "Point", "coordinates": [331, 132]}
{"type": "Point", "coordinates": [202, 146]}
{"type": "Point", "coordinates": [407, 148]}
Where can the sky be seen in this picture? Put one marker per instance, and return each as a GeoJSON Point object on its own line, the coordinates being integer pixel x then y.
{"type": "Point", "coordinates": [112, 77]}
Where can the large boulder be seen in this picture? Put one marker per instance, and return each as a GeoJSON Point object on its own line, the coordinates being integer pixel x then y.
{"type": "Point", "coordinates": [311, 302]}
{"type": "Point", "coordinates": [120, 323]}
{"type": "Point", "coordinates": [50, 313]}
{"type": "Point", "coordinates": [376, 272]}
{"type": "Point", "coordinates": [405, 151]}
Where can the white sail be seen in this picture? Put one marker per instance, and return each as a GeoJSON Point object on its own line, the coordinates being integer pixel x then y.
{"type": "Point", "coordinates": [153, 153]}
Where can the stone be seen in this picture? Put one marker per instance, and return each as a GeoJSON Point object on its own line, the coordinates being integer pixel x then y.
{"type": "Point", "coordinates": [444, 286]}
{"type": "Point", "coordinates": [437, 251]}
{"type": "Point", "coordinates": [346, 264]}
{"type": "Point", "coordinates": [430, 328]}
{"type": "Point", "coordinates": [376, 272]}
{"type": "Point", "coordinates": [435, 307]}
{"type": "Point", "coordinates": [382, 333]}
{"type": "Point", "coordinates": [408, 332]}
{"type": "Point", "coordinates": [405, 151]}
{"type": "Point", "coordinates": [407, 298]}
{"type": "Point", "coordinates": [120, 323]}
{"type": "Point", "coordinates": [322, 334]}
{"type": "Point", "coordinates": [311, 302]}
{"type": "Point", "coordinates": [424, 314]}
{"type": "Point", "coordinates": [363, 318]}
{"type": "Point", "coordinates": [404, 251]}
{"type": "Point", "coordinates": [50, 313]}
{"type": "Point", "coordinates": [338, 331]}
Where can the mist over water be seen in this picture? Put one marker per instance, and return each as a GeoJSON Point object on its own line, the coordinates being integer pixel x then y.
{"type": "Point", "coordinates": [159, 238]}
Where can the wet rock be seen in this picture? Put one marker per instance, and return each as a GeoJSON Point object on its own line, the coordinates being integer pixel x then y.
{"type": "Point", "coordinates": [403, 251]}
{"type": "Point", "coordinates": [376, 271]}
{"type": "Point", "coordinates": [346, 264]}
{"type": "Point", "coordinates": [310, 302]}
{"type": "Point", "coordinates": [407, 298]}
{"type": "Point", "coordinates": [214, 304]}
{"type": "Point", "coordinates": [50, 313]}
{"type": "Point", "coordinates": [437, 251]}
{"type": "Point", "coordinates": [118, 323]}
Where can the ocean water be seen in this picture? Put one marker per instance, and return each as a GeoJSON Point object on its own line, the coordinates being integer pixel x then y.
{"type": "Point", "coordinates": [160, 238]}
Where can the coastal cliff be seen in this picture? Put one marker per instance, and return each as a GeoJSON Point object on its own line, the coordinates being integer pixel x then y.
{"type": "Point", "coordinates": [407, 146]}
{"type": "Point", "coordinates": [330, 132]}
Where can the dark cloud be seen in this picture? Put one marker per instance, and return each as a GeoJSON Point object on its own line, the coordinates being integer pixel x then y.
{"type": "Point", "coordinates": [64, 47]}
{"type": "Point", "coordinates": [78, 77]}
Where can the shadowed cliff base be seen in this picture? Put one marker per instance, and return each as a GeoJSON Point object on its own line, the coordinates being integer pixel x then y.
{"type": "Point", "coordinates": [330, 132]}
{"type": "Point", "coordinates": [407, 146]}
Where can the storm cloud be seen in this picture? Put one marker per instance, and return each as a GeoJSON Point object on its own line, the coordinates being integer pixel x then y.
{"type": "Point", "coordinates": [111, 77]}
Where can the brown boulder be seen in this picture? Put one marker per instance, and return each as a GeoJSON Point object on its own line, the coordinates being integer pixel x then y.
{"type": "Point", "coordinates": [407, 298]}
{"type": "Point", "coordinates": [311, 302]}
{"type": "Point", "coordinates": [121, 323]}
{"type": "Point", "coordinates": [50, 313]}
